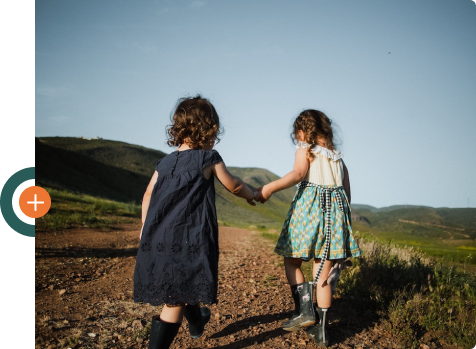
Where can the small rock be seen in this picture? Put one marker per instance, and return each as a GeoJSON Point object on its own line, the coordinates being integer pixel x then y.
{"type": "Point", "coordinates": [92, 335]}
{"type": "Point", "coordinates": [61, 292]}
{"type": "Point", "coordinates": [51, 287]}
{"type": "Point", "coordinates": [424, 346]}
{"type": "Point", "coordinates": [137, 324]}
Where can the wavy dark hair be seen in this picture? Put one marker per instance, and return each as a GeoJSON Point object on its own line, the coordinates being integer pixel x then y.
{"type": "Point", "coordinates": [315, 125]}
{"type": "Point", "coordinates": [195, 122]}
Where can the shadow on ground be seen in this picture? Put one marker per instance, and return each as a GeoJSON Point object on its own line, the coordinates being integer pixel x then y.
{"type": "Point", "coordinates": [346, 322]}
{"type": "Point", "coordinates": [85, 252]}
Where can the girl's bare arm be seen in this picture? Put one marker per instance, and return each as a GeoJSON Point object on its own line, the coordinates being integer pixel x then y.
{"type": "Point", "coordinates": [301, 165]}
{"type": "Point", "coordinates": [231, 183]}
{"type": "Point", "coordinates": [147, 195]}
{"type": "Point", "coordinates": [346, 182]}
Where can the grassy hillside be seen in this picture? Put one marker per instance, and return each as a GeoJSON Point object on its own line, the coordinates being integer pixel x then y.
{"type": "Point", "coordinates": [68, 170]}
{"type": "Point", "coordinates": [235, 211]}
{"type": "Point", "coordinates": [387, 208]}
{"type": "Point", "coordinates": [129, 157]}
{"type": "Point", "coordinates": [121, 172]}
{"type": "Point", "coordinates": [425, 221]}
{"type": "Point", "coordinates": [70, 210]}
{"type": "Point", "coordinates": [445, 233]}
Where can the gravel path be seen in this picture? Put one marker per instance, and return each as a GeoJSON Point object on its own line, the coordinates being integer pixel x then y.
{"type": "Point", "coordinates": [84, 297]}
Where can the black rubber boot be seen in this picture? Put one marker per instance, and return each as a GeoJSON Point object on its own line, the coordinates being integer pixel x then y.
{"type": "Point", "coordinates": [197, 318]}
{"type": "Point", "coordinates": [304, 314]}
{"type": "Point", "coordinates": [296, 303]}
{"type": "Point", "coordinates": [162, 333]}
{"type": "Point", "coordinates": [318, 333]}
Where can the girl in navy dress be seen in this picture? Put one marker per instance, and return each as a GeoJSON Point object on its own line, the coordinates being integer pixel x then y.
{"type": "Point", "coordinates": [177, 261]}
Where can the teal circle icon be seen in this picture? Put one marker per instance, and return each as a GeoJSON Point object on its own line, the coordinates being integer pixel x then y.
{"type": "Point", "coordinates": [6, 202]}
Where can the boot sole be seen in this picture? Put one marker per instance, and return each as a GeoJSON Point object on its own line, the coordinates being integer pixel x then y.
{"type": "Point", "coordinates": [300, 326]}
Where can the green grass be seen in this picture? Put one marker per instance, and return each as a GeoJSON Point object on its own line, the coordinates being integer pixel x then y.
{"type": "Point", "coordinates": [121, 172]}
{"type": "Point", "coordinates": [444, 223]}
{"type": "Point", "coordinates": [410, 295]}
{"type": "Point", "coordinates": [456, 251]}
{"type": "Point", "coordinates": [70, 210]}
{"type": "Point", "coordinates": [127, 156]}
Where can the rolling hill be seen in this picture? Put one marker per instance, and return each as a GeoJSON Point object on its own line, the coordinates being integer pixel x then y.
{"type": "Point", "coordinates": [121, 172]}
{"type": "Point", "coordinates": [59, 168]}
{"type": "Point", "coordinates": [445, 223]}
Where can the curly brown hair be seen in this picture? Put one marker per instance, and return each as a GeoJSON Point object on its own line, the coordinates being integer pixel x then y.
{"type": "Point", "coordinates": [194, 122]}
{"type": "Point", "coordinates": [316, 127]}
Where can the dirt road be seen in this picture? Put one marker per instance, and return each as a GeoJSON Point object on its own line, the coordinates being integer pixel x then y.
{"type": "Point", "coordinates": [84, 297]}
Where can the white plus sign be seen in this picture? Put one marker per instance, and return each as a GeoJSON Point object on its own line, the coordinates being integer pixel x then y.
{"type": "Point", "coordinates": [35, 202]}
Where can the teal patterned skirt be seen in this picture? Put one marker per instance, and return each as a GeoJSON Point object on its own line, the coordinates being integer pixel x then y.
{"type": "Point", "coordinates": [303, 235]}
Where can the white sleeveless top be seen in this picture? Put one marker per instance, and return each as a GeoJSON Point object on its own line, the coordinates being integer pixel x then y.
{"type": "Point", "coordinates": [327, 167]}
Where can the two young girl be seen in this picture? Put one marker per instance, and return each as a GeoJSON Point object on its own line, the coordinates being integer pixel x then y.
{"type": "Point", "coordinates": [177, 261]}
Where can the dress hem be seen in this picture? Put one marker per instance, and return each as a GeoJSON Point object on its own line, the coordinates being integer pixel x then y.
{"type": "Point", "coordinates": [157, 303]}
{"type": "Point", "coordinates": [308, 256]}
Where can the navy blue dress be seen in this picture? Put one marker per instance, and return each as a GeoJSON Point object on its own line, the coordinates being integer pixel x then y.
{"type": "Point", "coordinates": [177, 261]}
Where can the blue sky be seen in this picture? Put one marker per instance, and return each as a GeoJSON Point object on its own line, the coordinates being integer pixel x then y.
{"type": "Point", "coordinates": [397, 78]}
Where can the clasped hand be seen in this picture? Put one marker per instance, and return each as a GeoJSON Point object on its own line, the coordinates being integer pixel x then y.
{"type": "Point", "coordinates": [262, 194]}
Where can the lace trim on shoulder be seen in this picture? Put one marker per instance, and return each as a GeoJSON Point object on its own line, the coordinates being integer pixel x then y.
{"type": "Point", "coordinates": [317, 149]}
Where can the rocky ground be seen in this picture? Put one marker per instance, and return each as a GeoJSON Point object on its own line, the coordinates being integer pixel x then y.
{"type": "Point", "coordinates": [84, 297]}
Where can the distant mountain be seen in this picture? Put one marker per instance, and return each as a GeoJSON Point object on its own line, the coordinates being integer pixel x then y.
{"type": "Point", "coordinates": [129, 157]}
{"type": "Point", "coordinates": [364, 207]}
{"type": "Point", "coordinates": [445, 223]}
{"type": "Point", "coordinates": [121, 171]}
{"type": "Point", "coordinates": [382, 209]}
{"type": "Point", "coordinates": [72, 171]}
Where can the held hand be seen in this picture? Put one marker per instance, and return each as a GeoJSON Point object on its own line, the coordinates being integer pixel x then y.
{"type": "Point", "coordinates": [258, 194]}
{"type": "Point", "coordinates": [264, 193]}
{"type": "Point", "coordinates": [250, 201]}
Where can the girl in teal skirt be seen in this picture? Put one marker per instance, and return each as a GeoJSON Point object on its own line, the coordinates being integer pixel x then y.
{"type": "Point", "coordinates": [318, 224]}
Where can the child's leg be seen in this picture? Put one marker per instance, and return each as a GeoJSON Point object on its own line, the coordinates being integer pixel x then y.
{"type": "Point", "coordinates": [292, 266]}
{"type": "Point", "coordinates": [303, 315]}
{"type": "Point", "coordinates": [172, 313]}
{"type": "Point", "coordinates": [323, 290]}
{"type": "Point", "coordinates": [197, 317]}
{"type": "Point", "coordinates": [318, 333]}
{"type": "Point", "coordinates": [165, 327]}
